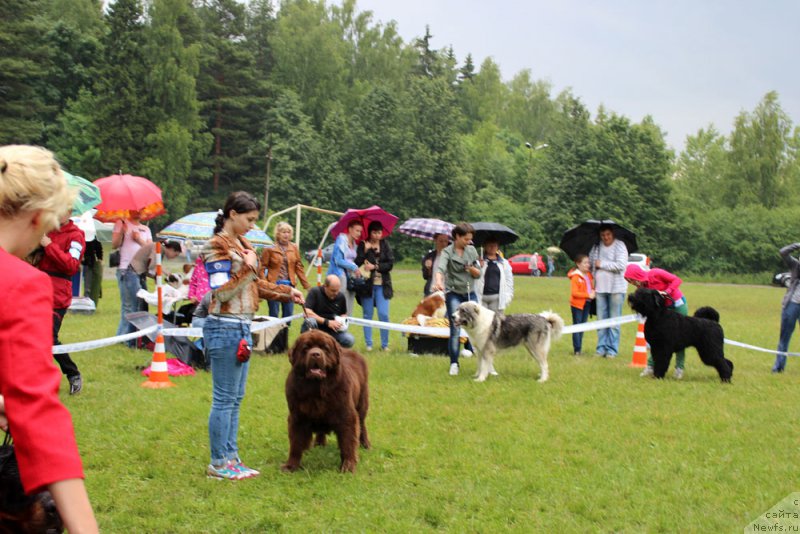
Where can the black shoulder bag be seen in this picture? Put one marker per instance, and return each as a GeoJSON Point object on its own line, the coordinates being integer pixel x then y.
{"type": "Point", "coordinates": [114, 257]}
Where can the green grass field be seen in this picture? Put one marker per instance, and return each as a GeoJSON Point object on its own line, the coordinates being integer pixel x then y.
{"type": "Point", "coordinates": [594, 449]}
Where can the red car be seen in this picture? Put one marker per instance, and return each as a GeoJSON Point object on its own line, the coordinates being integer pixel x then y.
{"type": "Point", "coordinates": [520, 264]}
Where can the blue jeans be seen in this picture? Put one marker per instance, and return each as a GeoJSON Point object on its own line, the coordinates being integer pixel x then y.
{"type": "Point", "coordinates": [452, 300]}
{"type": "Point", "coordinates": [369, 303]}
{"type": "Point", "coordinates": [579, 317]}
{"type": "Point", "coordinates": [789, 316]}
{"type": "Point", "coordinates": [129, 284]}
{"type": "Point", "coordinates": [229, 377]}
{"type": "Point", "coordinates": [275, 305]}
{"type": "Point", "coordinates": [609, 305]}
{"type": "Point", "coordinates": [345, 339]}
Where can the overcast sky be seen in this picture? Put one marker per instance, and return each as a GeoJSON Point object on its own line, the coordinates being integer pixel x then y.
{"type": "Point", "coordinates": [686, 63]}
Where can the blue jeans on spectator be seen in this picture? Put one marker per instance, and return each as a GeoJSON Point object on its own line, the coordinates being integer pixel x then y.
{"type": "Point", "coordinates": [275, 305]}
{"type": "Point", "coordinates": [229, 377]}
{"type": "Point", "coordinates": [452, 300]}
{"type": "Point", "coordinates": [369, 303]}
{"type": "Point", "coordinates": [789, 316]}
{"type": "Point", "coordinates": [609, 305]}
{"type": "Point", "coordinates": [579, 317]}
{"type": "Point", "coordinates": [129, 284]}
{"type": "Point", "coordinates": [345, 339]}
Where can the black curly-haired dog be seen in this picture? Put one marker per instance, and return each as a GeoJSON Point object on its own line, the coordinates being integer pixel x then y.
{"type": "Point", "coordinates": [667, 331]}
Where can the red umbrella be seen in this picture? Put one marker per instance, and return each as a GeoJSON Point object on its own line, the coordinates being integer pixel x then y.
{"type": "Point", "coordinates": [124, 193]}
{"type": "Point", "coordinates": [365, 216]}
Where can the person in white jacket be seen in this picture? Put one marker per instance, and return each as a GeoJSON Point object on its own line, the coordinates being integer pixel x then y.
{"type": "Point", "coordinates": [495, 287]}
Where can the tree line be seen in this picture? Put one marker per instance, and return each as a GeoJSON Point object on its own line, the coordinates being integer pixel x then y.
{"type": "Point", "coordinates": [206, 96]}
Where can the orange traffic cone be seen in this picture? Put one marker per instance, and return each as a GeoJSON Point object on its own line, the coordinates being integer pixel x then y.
{"type": "Point", "coordinates": [159, 377]}
{"type": "Point", "coordinates": [640, 348]}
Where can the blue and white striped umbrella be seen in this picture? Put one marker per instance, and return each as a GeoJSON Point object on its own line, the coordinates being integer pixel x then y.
{"type": "Point", "coordinates": [200, 227]}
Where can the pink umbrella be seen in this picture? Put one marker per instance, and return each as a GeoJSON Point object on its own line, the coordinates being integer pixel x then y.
{"type": "Point", "coordinates": [124, 193]}
{"type": "Point", "coordinates": [365, 216]}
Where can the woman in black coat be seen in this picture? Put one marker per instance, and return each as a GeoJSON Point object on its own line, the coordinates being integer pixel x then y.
{"type": "Point", "coordinates": [375, 257]}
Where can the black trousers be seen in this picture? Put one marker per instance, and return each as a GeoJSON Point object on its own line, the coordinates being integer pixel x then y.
{"type": "Point", "coordinates": [68, 367]}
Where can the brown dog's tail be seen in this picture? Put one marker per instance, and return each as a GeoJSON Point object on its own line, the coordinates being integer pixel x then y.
{"type": "Point", "coordinates": [556, 323]}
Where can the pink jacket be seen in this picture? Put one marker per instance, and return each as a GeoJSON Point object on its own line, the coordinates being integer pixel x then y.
{"type": "Point", "coordinates": [657, 279]}
{"type": "Point", "coordinates": [198, 284]}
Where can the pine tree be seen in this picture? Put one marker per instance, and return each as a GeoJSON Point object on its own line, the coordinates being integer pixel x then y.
{"type": "Point", "coordinates": [23, 66]}
{"type": "Point", "coordinates": [122, 117]}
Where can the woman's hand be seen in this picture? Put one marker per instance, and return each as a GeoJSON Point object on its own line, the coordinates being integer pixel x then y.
{"type": "Point", "coordinates": [250, 258]}
{"type": "Point", "coordinates": [370, 267]}
{"type": "Point", "coordinates": [45, 240]}
{"type": "Point", "coordinates": [297, 296]}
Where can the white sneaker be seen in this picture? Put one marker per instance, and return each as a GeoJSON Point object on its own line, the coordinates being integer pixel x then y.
{"type": "Point", "coordinates": [678, 374]}
{"type": "Point", "coordinates": [466, 353]}
{"type": "Point", "coordinates": [453, 369]}
{"type": "Point", "coordinates": [648, 371]}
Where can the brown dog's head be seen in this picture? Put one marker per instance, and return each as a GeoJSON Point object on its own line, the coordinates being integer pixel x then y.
{"type": "Point", "coordinates": [315, 355]}
{"type": "Point", "coordinates": [432, 306]}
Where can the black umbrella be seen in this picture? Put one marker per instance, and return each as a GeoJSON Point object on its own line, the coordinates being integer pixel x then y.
{"type": "Point", "coordinates": [581, 238]}
{"type": "Point", "coordinates": [499, 232]}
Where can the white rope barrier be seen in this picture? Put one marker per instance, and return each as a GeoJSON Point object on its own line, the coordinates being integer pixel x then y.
{"type": "Point", "coordinates": [98, 343]}
{"type": "Point", "coordinates": [189, 332]}
{"type": "Point", "coordinates": [759, 349]}
{"type": "Point", "coordinates": [257, 326]}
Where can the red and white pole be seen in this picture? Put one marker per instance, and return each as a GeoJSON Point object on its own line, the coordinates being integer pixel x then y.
{"type": "Point", "coordinates": [159, 282]}
{"type": "Point", "coordinates": [319, 266]}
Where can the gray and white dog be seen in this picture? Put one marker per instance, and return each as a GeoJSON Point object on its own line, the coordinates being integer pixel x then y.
{"type": "Point", "coordinates": [490, 331]}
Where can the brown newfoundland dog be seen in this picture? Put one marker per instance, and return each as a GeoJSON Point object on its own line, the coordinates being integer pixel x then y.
{"type": "Point", "coordinates": [326, 391]}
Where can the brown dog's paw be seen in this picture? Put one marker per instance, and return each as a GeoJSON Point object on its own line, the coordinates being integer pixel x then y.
{"type": "Point", "coordinates": [289, 468]}
{"type": "Point", "coordinates": [348, 466]}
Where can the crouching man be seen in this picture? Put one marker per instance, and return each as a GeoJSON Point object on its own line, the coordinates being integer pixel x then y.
{"type": "Point", "coordinates": [325, 305]}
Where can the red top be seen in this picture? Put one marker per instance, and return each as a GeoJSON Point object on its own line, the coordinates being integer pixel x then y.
{"type": "Point", "coordinates": [62, 259]}
{"type": "Point", "coordinates": [41, 426]}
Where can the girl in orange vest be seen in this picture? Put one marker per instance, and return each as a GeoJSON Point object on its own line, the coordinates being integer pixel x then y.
{"type": "Point", "coordinates": [581, 293]}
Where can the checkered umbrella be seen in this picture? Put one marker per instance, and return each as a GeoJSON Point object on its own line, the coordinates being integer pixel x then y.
{"type": "Point", "coordinates": [425, 228]}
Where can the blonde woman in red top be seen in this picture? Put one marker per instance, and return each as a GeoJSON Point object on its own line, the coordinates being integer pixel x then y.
{"type": "Point", "coordinates": [33, 197]}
